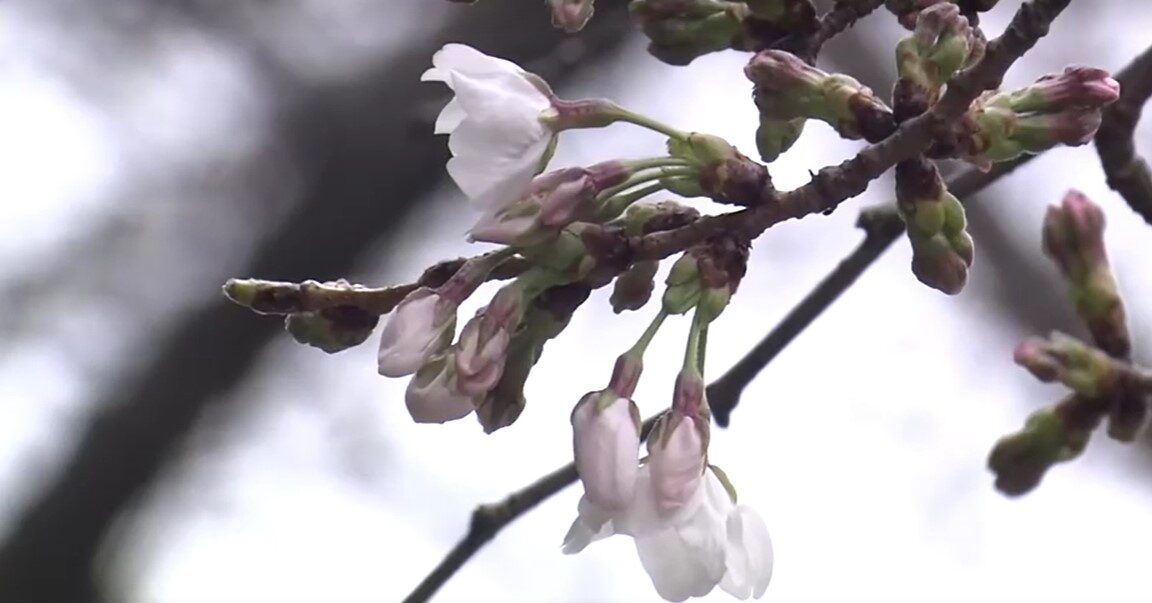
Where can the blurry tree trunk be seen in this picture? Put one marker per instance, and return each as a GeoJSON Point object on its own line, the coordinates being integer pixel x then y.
{"type": "Point", "coordinates": [372, 160]}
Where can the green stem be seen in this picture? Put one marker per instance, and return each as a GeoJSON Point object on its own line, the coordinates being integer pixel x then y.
{"type": "Point", "coordinates": [622, 114]}
{"type": "Point", "coordinates": [615, 205]}
{"type": "Point", "coordinates": [647, 175]}
{"type": "Point", "coordinates": [652, 162]}
{"type": "Point", "coordinates": [637, 350]}
{"type": "Point", "coordinates": [692, 357]}
{"type": "Point", "coordinates": [702, 348]}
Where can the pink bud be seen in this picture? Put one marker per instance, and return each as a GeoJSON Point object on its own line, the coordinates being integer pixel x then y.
{"type": "Point", "coordinates": [432, 396]}
{"type": "Point", "coordinates": [606, 442]}
{"type": "Point", "coordinates": [1077, 86]}
{"type": "Point", "coordinates": [1073, 235]}
{"type": "Point", "coordinates": [676, 458]}
{"type": "Point", "coordinates": [419, 326]}
{"type": "Point", "coordinates": [781, 71]}
{"type": "Point", "coordinates": [484, 342]}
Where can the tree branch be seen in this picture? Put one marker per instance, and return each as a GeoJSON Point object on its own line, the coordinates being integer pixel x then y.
{"type": "Point", "coordinates": [882, 227]}
{"type": "Point", "coordinates": [1128, 172]}
{"type": "Point", "coordinates": [488, 520]}
{"type": "Point", "coordinates": [724, 393]}
{"type": "Point", "coordinates": [835, 184]}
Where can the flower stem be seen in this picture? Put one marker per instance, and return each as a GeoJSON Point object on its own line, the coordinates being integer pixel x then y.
{"type": "Point", "coordinates": [647, 175]}
{"type": "Point", "coordinates": [622, 114]}
{"type": "Point", "coordinates": [637, 350]}
{"type": "Point", "coordinates": [693, 358]}
{"type": "Point", "coordinates": [615, 205]}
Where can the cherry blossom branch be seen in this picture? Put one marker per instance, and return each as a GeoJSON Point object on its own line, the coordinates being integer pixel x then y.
{"type": "Point", "coordinates": [1128, 172]}
{"type": "Point", "coordinates": [487, 521]}
{"type": "Point", "coordinates": [833, 185]}
{"type": "Point", "coordinates": [276, 297]}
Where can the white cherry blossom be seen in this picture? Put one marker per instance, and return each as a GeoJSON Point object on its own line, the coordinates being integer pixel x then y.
{"type": "Point", "coordinates": [706, 542]}
{"type": "Point", "coordinates": [498, 138]}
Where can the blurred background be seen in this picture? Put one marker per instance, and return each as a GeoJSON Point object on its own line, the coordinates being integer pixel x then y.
{"type": "Point", "coordinates": [159, 444]}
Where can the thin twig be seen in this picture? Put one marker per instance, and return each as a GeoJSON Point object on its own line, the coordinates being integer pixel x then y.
{"type": "Point", "coordinates": [276, 297]}
{"type": "Point", "coordinates": [882, 227]}
{"type": "Point", "coordinates": [488, 520]}
{"type": "Point", "coordinates": [1128, 172]}
{"type": "Point", "coordinates": [844, 14]}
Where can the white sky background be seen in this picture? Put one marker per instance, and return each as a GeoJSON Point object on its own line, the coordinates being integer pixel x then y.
{"type": "Point", "coordinates": [863, 445]}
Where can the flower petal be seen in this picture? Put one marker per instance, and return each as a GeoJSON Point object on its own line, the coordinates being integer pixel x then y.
{"type": "Point", "coordinates": [606, 443]}
{"type": "Point", "coordinates": [592, 524]}
{"type": "Point", "coordinates": [461, 57]}
{"type": "Point", "coordinates": [749, 554]}
{"type": "Point", "coordinates": [451, 116]}
{"type": "Point", "coordinates": [684, 560]}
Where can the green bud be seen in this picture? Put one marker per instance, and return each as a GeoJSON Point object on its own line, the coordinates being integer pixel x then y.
{"type": "Point", "coordinates": [774, 136]}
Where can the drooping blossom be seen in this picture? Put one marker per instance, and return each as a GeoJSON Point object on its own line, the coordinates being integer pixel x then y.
{"type": "Point", "coordinates": [420, 325]}
{"type": "Point", "coordinates": [606, 443]}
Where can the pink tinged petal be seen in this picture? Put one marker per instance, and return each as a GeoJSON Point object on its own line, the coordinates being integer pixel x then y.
{"type": "Point", "coordinates": [415, 330]}
{"type": "Point", "coordinates": [451, 116]}
{"type": "Point", "coordinates": [432, 397]}
{"type": "Point", "coordinates": [606, 444]}
{"type": "Point", "coordinates": [677, 462]}
{"type": "Point", "coordinates": [592, 524]}
{"type": "Point", "coordinates": [501, 228]}
{"type": "Point", "coordinates": [749, 555]}
{"type": "Point", "coordinates": [480, 361]}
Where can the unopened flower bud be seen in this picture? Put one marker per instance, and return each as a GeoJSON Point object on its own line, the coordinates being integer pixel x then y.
{"type": "Point", "coordinates": [633, 288]}
{"type": "Point", "coordinates": [724, 173]}
{"type": "Point", "coordinates": [645, 218]}
{"type": "Point", "coordinates": [774, 136]}
{"type": "Point", "coordinates": [788, 88]}
{"type": "Point", "coordinates": [432, 395]}
{"type": "Point", "coordinates": [555, 200]}
{"type": "Point", "coordinates": [546, 317]}
{"type": "Point", "coordinates": [421, 325]}
{"type": "Point", "coordinates": [1073, 237]}
{"type": "Point", "coordinates": [1077, 86]}
{"type": "Point", "coordinates": [1063, 109]}
{"type": "Point", "coordinates": [483, 345]}
{"type": "Point", "coordinates": [678, 444]}
{"type": "Point", "coordinates": [942, 43]}
{"type": "Point", "coordinates": [332, 329]}
{"type": "Point", "coordinates": [942, 250]}
{"type": "Point", "coordinates": [571, 15]}
{"type": "Point", "coordinates": [1084, 369]}
{"type": "Point", "coordinates": [683, 284]}
{"type": "Point", "coordinates": [606, 442]}
{"type": "Point", "coordinates": [1020, 460]}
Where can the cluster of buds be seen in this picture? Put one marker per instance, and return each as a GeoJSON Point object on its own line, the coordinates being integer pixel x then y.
{"type": "Point", "coordinates": [1056, 109]}
{"type": "Point", "coordinates": [679, 31]}
{"type": "Point", "coordinates": [942, 250]}
{"type": "Point", "coordinates": [1073, 238]}
{"type": "Point", "coordinates": [789, 91]}
{"type": "Point", "coordinates": [908, 11]}
{"type": "Point", "coordinates": [1103, 383]}
{"type": "Point", "coordinates": [942, 43]}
